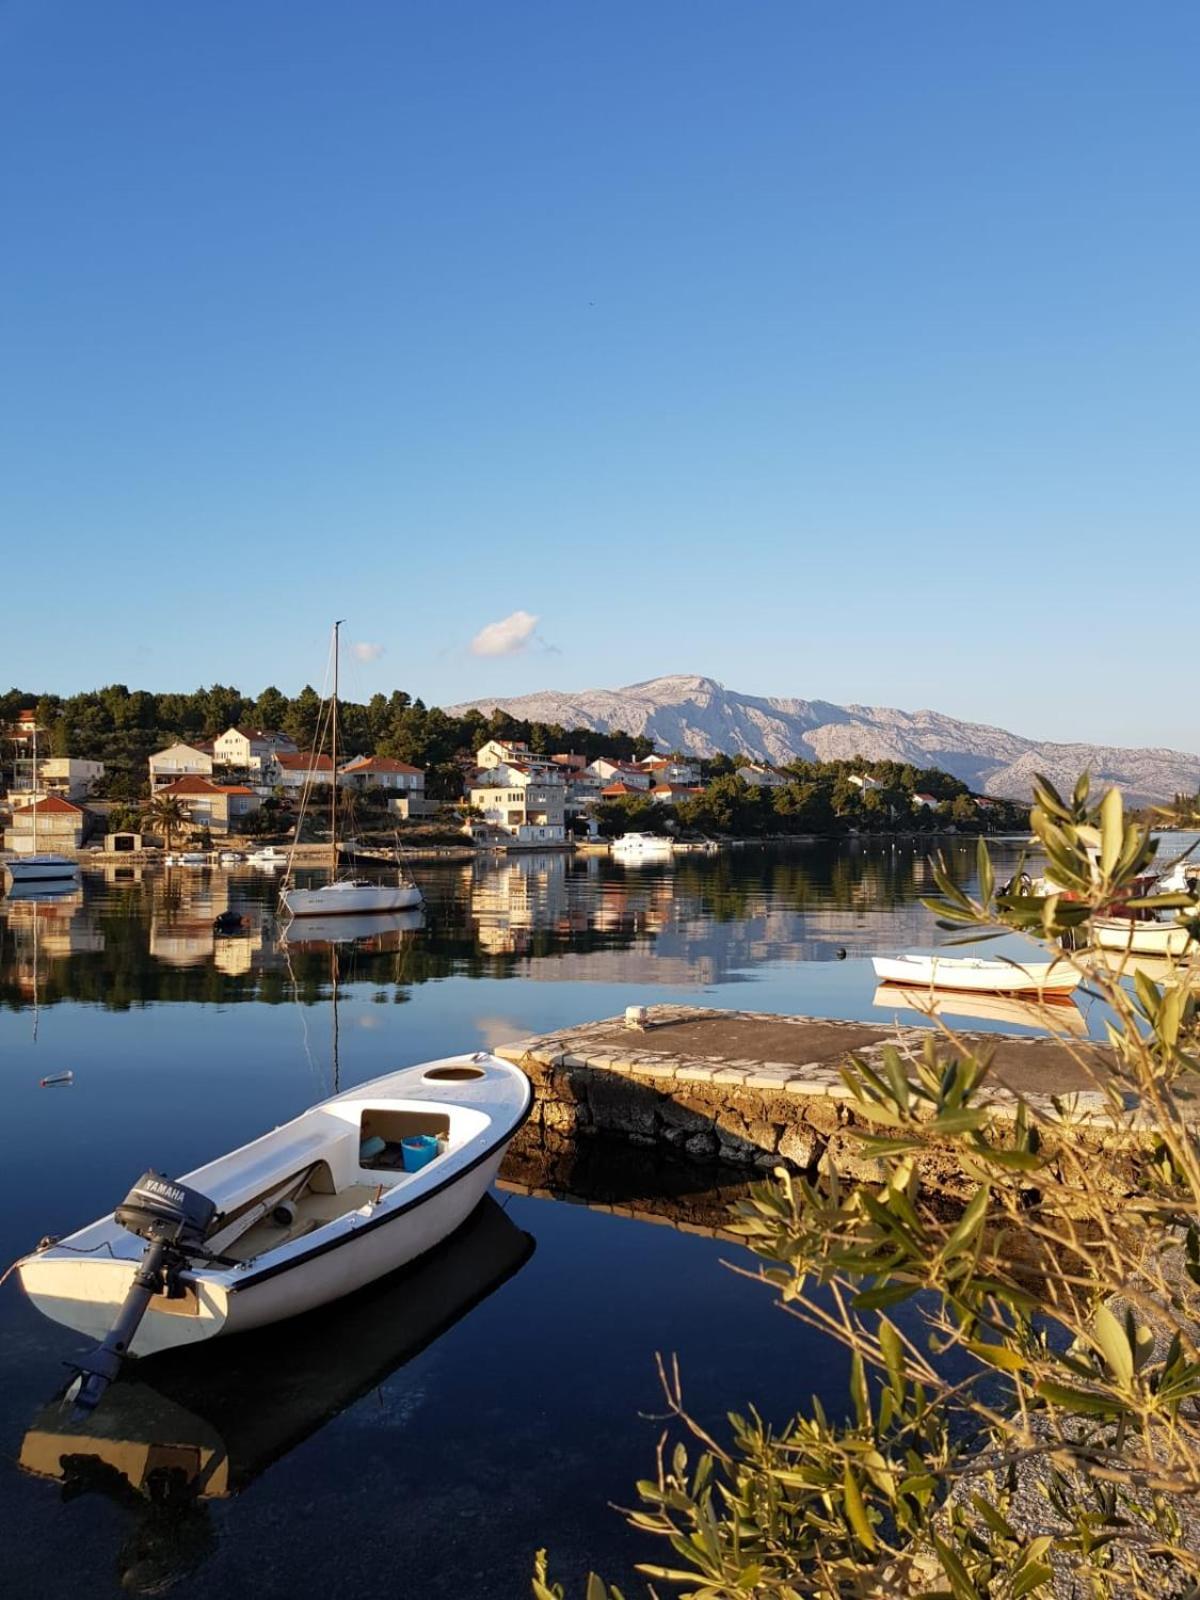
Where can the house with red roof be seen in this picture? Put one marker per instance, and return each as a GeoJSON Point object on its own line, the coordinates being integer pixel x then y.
{"type": "Point", "coordinates": [53, 824]}
{"type": "Point", "coordinates": [219, 807]}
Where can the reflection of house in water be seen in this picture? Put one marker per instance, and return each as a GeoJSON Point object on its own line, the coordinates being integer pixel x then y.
{"type": "Point", "coordinates": [516, 896]}
{"type": "Point", "coordinates": [46, 927]}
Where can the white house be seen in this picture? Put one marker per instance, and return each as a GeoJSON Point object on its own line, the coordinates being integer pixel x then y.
{"type": "Point", "coordinates": [862, 781]}
{"type": "Point", "coordinates": [929, 801]}
{"type": "Point", "coordinates": [70, 777]}
{"type": "Point", "coordinates": [670, 794]}
{"type": "Point", "coordinates": [627, 772]}
{"type": "Point", "coordinates": [180, 761]}
{"type": "Point", "coordinates": [502, 752]}
{"type": "Point", "coordinates": [526, 804]}
{"type": "Point", "coordinates": [762, 777]}
{"type": "Point", "coordinates": [671, 769]}
{"type": "Point", "coordinates": [250, 749]}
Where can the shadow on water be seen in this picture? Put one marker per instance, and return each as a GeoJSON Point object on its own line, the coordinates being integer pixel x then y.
{"type": "Point", "coordinates": [181, 1430]}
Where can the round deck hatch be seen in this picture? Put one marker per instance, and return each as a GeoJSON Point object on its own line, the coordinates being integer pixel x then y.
{"type": "Point", "coordinates": [453, 1074]}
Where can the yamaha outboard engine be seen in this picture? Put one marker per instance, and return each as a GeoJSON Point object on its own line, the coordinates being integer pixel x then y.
{"type": "Point", "coordinates": [174, 1221]}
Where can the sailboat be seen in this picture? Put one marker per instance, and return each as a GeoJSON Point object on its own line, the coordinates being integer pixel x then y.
{"type": "Point", "coordinates": [348, 896]}
{"type": "Point", "coordinates": [46, 866]}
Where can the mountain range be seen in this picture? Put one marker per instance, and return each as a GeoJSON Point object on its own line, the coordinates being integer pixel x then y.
{"type": "Point", "coordinates": [702, 717]}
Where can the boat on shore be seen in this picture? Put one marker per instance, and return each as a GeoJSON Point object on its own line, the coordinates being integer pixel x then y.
{"type": "Point", "coordinates": [352, 1189]}
{"type": "Point", "coordinates": [972, 974]}
{"type": "Point", "coordinates": [634, 847]}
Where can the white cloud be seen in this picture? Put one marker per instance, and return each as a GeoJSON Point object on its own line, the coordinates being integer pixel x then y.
{"type": "Point", "coordinates": [508, 637]}
{"type": "Point", "coordinates": [366, 652]}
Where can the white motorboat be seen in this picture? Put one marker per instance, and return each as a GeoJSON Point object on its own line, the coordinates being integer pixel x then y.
{"type": "Point", "coordinates": [975, 975]}
{"type": "Point", "coordinates": [218, 1417]}
{"type": "Point", "coordinates": [230, 858]}
{"type": "Point", "coordinates": [343, 896]}
{"type": "Point", "coordinates": [1141, 938]}
{"type": "Point", "coordinates": [302, 1216]}
{"type": "Point", "coordinates": [634, 847]}
{"type": "Point", "coordinates": [268, 856]}
{"type": "Point", "coordinates": [1055, 1013]}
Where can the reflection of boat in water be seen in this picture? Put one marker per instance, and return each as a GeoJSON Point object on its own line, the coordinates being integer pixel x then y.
{"type": "Point", "coordinates": [1162, 970]}
{"type": "Point", "coordinates": [220, 1417]}
{"type": "Point", "coordinates": [378, 930]}
{"type": "Point", "coordinates": [978, 976]}
{"type": "Point", "coordinates": [1055, 1014]}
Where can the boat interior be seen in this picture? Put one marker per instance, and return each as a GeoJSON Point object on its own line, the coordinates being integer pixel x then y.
{"type": "Point", "coordinates": [359, 1165]}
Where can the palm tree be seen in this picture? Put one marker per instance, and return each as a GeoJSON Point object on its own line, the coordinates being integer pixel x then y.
{"type": "Point", "coordinates": [165, 813]}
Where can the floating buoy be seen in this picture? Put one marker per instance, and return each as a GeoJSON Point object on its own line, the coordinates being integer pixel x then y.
{"type": "Point", "coordinates": [58, 1080]}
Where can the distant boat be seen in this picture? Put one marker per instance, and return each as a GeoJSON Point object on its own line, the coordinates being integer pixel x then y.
{"type": "Point", "coordinates": [348, 1191]}
{"type": "Point", "coordinates": [977, 976]}
{"type": "Point", "coordinates": [268, 856]}
{"type": "Point", "coordinates": [44, 866]}
{"type": "Point", "coordinates": [1055, 1013]}
{"type": "Point", "coordinates": [1141, 938]}
{"type": "Point", "coordinates": [634, 847]}
{"type": "Point", "coordinates": [345, 896]}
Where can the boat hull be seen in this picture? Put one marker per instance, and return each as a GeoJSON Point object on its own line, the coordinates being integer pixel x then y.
{"type": "Point", "coordinates": [983, 977]}
{"type": "Point", "coordinates": [41, 869]}
{"type": "Point", "coordinates": [351, 900]}
{"type": "Point", "coordinates": [82, 1281]}
{"type": "Point", "coordinates": [1141, 938]}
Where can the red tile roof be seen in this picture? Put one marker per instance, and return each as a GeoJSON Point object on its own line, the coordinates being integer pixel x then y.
{"type": "Point", "coordinates": [195, 785]}
{"type": "Point", "coordinates": [54, 804]}
{"type": "Point", "coordinates": [622, 788]}
{"type": "Point", "coordinates": [381, 764]}
{"type": "Point", "coordinates": [303, 761]}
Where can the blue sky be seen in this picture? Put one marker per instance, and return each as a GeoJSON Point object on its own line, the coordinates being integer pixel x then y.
{"type": "Point", "coordinates": [840, 350]}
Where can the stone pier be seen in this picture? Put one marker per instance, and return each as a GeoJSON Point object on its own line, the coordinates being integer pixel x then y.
{"type": "Point", "coordinates": [757, 1090]}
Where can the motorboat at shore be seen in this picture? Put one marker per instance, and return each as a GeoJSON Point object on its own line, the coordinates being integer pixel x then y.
{"type": "Point", "coordinates": [635, 847]}
{"type": "Point", "coordinates": [974, 975]}
{"type": "Point", "coordinates": [350, 1190]}
{"type": "Point", "coordinates": [222, 1415]}
{"type": "Point", "coordinates": [1054, 1013]}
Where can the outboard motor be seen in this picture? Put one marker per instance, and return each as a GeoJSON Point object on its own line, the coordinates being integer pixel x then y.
{"type": "Point", "coordinates": [174, 1221]}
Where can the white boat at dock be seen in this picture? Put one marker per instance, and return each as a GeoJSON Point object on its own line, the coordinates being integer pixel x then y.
{"type": "Point", "coordinates": [300, 1217]}
{"type": "Point", "coordinates": [978, 976]}
{"type": "Point", "coordinates": [635, 847]}
{"type": "Point", "coordinates": [268, 856]}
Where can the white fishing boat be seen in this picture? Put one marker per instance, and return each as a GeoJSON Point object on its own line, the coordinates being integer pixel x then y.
{"type": "Point", "coordinates": [343, 896]}
{"type": "Point", "coordinates": [304, 1215]}
{"type": "Point", "coordinates": [44, 866]}
{"type": "Point", "coordinates": [635, 847]}
{"type": "Point", "coordinates": [1055, 1013]}
{"type": "Point", "coordinates": [976, 975]}
{"type": "Point", "coordinates": [1141, 938]}
{"type": "Point", "coordinates": [268, 856]}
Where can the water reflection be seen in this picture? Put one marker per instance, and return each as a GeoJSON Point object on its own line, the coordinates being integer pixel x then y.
{"type": "Point", "coordinates": [128, 935]}
{"type": "Point", "coordinates": [1051, 1014]}
{"type": "Point", "coordinates": [182, 1430]}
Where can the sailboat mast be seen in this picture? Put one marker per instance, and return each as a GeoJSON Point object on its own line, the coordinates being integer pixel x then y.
{"type": "Point", "coordinates": [35, 787]}
{"type": "Point", "coordinates": [333, 752]}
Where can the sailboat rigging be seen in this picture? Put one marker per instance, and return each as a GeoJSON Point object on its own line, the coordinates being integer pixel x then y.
{"type": "Point", "coordinates": [343, 896]}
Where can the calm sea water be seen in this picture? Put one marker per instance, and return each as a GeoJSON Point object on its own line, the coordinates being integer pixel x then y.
{"type": "Point", "coordinates": [428, 1438]}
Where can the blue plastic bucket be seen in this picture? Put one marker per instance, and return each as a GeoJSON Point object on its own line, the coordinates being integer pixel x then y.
{"type": "Point", "coordinates": [418, 1151]}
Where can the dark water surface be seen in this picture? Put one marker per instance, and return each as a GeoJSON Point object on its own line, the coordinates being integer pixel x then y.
{"type": "Point", "coordinates": [426, 1438]}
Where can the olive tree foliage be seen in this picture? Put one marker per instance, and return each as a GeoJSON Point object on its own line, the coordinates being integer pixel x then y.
{"type": "Point", "coordinates": [1024, 1406]}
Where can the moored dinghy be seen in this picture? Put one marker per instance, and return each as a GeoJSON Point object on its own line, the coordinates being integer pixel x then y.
{"type": "Point", "coordinates": [302, 1216]}
{"type": "Point", "coordinates": [991, 977]}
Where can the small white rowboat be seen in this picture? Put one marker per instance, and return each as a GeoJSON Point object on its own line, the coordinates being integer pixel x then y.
{"type": "Point", "coordinates": [1141, 938]}
{"type": "Point", "coordinates": [989, 977]}
{"type": "Point", "coordinates": [306, 1214]}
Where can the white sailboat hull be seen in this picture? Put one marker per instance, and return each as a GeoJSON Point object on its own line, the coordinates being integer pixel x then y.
{"type": "Point", "coordinates": [41, 868]}
{"type": "Point", "coordinates": [400, 1215]}
{"type": "Point", "coordinates": [989, 977]}
{"type": "Point", "coordinates": [351, 899]}
{"type": "Point", "coordinates": [1141, 938]}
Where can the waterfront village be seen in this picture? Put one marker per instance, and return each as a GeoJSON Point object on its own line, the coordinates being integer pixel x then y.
{"type": "Point", "coordinates": [512, 791]}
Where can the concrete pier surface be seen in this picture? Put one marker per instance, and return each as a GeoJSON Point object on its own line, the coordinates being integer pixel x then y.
{"type": "Point", "coordinates": [761, 1090]}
